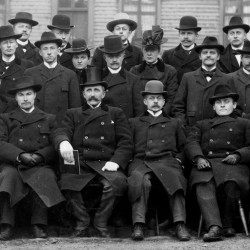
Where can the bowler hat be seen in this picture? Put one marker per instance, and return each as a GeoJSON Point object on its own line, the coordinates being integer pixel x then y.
{"type": "Point", "coordinates": [7, 32]}
{"type": "Point", "coordinates": [48, 37]}
{"type": "Point", "coordinates": [23, 17]}
{"type": "Point", "coordinates": [223, 91]}
{"type": "Point", "coordinates": [24, 82]}
{"type": "Point", "coordinates": [209, 42]}
{"type": "Point", "coordinates": [60, 22]}
{"type": "Point", "coordinates": [188, 23]}
{"type": "Point", "coordinates": [236, 22]}
{"type": "Point", "coordinates": [94, 77]}
{"type": "Point", "coordinates": [154, 87]}
{"type": "Point", "coordinates": [112, 45]}
{"type": "Point", "coordinates": [78, 45]}
{"type": "Point", "coordinates": [121, 18]}
{"type": "Point", "coordinates": [245, 49]}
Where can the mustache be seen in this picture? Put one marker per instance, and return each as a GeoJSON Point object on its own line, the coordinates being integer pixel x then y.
{"type": "Point", "coordinates": [155, 106]}
{"type": "Point", "coordinates": [92, 98]}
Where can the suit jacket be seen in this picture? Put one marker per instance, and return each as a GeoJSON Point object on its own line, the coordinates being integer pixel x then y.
{"type": "Point", "coordinates": [183, 63]}
{"type": "Point", "coordinates": [60, 89]}
{"type": "Point", "coordinates": [133, 56]}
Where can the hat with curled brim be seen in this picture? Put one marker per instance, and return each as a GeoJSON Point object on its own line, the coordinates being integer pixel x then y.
{"type": "Point", "coordinates": [188, 23]}
{"type": "Point", "coordinates": [154, 87]}
{"type": "Point", "coordinates": [113, 45]}
{"type": "Point", "coordinates": [23, 17]}
{"type": "Point", "coordinates": [209, 42]}
{"type": "Point", "coordinates": [48, 37]}
{"type": "Point", "coordinates": [61, 22]}
{"type": "Point", "coordinates": [234, 23]}
{"type": "Point", "coordinates": [79, 45]}
{"type": "Point", "coordinates": [7, 32]}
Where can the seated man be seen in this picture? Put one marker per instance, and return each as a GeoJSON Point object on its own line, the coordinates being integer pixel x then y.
{"type": "Point", "coordinates": [158, 144]}
{"type": "Point", "coordinates": [102, 137]}
{"type": "Point", "coordinates": [219, 148]}
{"type": "Point", "coordinates": [27, 160]}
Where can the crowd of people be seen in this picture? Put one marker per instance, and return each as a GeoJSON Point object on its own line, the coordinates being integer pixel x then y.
{"type": "Point", "coordinates": [128, 122]}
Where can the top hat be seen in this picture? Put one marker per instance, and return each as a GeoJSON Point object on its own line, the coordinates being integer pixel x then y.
{"type": "Point", "coordinates": [154, 87]}
{"type": "Point", "coordinates": [78, 45]}
{"type": "Point", "coordinates": [121, 18]}
{"type": "Point", "coordinates": [236, 22]}
{"type": "Point", "coordinates": [48, 37]}
{"type": "Point", "coordinates": [61, 22]}
{"type": "Point", "coordinates": [94, 77]}
{"type": "Point", "coordinates": [24, 82]}
{"type": "Point", "coordinates": [7, 32]}
{"type": "Point", "coordinates": [23, 17]}
{"type": "Point", "coordinates": [188, 23]}
{"type": "Point", "coordinates": [112, 45]}
{"type": "Point", "coordinates": [245, 49]}
{"type": "Point", "coordinates": [209, 42]}
{"type": "Point", "coordinates": [223, 91]}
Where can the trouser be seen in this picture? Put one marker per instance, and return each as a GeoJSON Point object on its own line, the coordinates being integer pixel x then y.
{"type": "Point", "coordinates": [176, 201]}
{"type": "Point", "coordinates": [39, 211]}
{"type": "Point", "coordinates": [76, 206]}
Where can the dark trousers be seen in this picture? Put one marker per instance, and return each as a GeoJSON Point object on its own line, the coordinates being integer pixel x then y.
{"type": "Point", "coordinates": [176, 201]}
{"type": "Point", "coordinates": [77, 207]}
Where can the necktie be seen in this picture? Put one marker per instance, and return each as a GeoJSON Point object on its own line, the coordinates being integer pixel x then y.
{"type": "Point", "coordinates": [208, 73]}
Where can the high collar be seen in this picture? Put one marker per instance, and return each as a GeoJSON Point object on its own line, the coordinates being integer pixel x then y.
{"type": "Point", "coordinates": [106, 72]}
{"type": "Point", "coordinates": [85, 106]}
{"type": "Point", "coordinates": [160, 66]}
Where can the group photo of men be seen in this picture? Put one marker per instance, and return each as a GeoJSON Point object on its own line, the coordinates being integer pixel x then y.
{"type": "Point", "coordinates": [125, 134]}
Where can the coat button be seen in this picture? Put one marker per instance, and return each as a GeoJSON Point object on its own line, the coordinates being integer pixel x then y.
{"type": "Point", "coordinates": [228, 142]}
{"type": "Point", "coordinates": [102, 137]}
{"type": "Point", "coordinates": [211, 140]}
{"type": "Point", "coordinates": [162, 140]}
{"type": "Point", "coordinates": [150, 141]}
{"type": "Point", "coordinates": [21, 139]}
{"type": "Point", "coordinates": [163, 126]}
{"type": "Point", "coordinates": [230, 129]}
{"type": "Point", "coordinates": [86, 137]}
{"type": "Point", "coordinates": [227, 153]}
{"type": "Point", "coordinates": [210, 152]}
{"type": "Point", "coordinates": [102, 123]}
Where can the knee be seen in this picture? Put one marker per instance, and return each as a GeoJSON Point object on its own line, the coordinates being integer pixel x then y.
{"type": "Point", "coordinates": [10, 172]}
{"type": "Point", "coordinates": [231, 189]}
{"type": "Point", "coordinates": [206, 190]}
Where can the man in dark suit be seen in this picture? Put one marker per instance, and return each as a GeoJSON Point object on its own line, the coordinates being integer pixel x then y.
{"type": "Point", "coordinates": [122, 26]}
{"type": "Point", "coordinates": [22, 24]}
{"type": "Point", "coordinates": [11, 66]}
{"type": "Point", "coordinates": [102, 136]}
{"type": "Point", "coordinates": [60, 88]}
{"type": "Point", "coordinates": [158, 156]}
{"type": "Point", "coordinates": [184, 57]}
{"type": "Point", "coordinates": [219, 149]}
{"type": "Point", "coordinates": [236, 33]}
{"type": "Point", "coordinates": [27, 159]}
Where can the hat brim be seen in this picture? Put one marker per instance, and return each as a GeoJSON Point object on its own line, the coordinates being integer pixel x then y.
{"type": "Point", "coordinates": [36, 87]}
{"type": "Point", "coordinates": [77, 50]}
{"type": "Point", "coordinates": [23, 20]}
{"type": "Point", "coordinates": [9, 37]}
{"type": "Point", "coordinates": [51, 27]}
{"type": "Point", "coordinates": [101, 48]}
{"type": "Point", "coordinates": [57, 41]}
{"type": "Point", "coordinates": [214, 98]}
{"type": "Point", "coordinates": [188, 28]}
{"type": "Point", "coordinates": [241, 51]}
{"type": "Point", "coordinates": [102, 83]}
{"type": "Point", "coordinates": [132, 24]}
{"type": "Point", "coordinates": [198, 48]}
{"type": "Point", "coordinates": [229, 27]}
{"type": "Point", "coordinates": [164, 93]}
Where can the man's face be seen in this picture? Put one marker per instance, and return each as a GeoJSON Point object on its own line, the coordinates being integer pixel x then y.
{"type": "Point", "coordinates": [26, 99]}
{"type": "Point", "coordinates": [114, 61]}
{"type": "Point", "coordinates": [48, 52]}
{"type": "Point", "coordinates": [8, 47]}
{"type": "Point", "coordinates": [224, 106]}
{"type": "Point", "coordinates": [150, 54]}
{"type": "Point", "coordinates": [64, 35]}
{"type": "Point", "coordinates": [80, 61]}
{"type": "Point", "coordinates": [94, 94]}
{"type": "Point", "coordinates": [24, 29]}
{"type": "Point", "coordinates": [236, 37]}
{"type": "Point", "coordinates": [209, 57]}
{"type": "Point", "coordinates": [187, 37]}
{"type": "Point", "coordinates": [245, 60]}
{"type": "Point", "coordinates": [122, 30]}
{"type": "Point", "coordinates": [154, 102]}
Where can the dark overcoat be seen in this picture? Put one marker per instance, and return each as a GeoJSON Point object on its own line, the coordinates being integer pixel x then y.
{"type": "Point", "coordinates": [124, 92]}
{"type": "Point", "coordinates": [214, 139]}
{"type": "Point", "coordinates": [157, 144]}
{"type": "Point", "coordinates": [60, 89]}
{"type": "Point", "coordinates": [162, 72]}
{"type": "Point", "coordinates": [99, 135]}
{"type": "Point", "coordinates": [181, 61]}
{"type": "Point", "coordinates": [14, 71]}
{"type": "Point", "coordinates": [191, 102]}
{"type": "Point", "coordinates": [21, 132]}
{"type": "Point", "coordinates": [66, 59]}
{"type": "Point", "coordinates": [133, 56]}
{"type": "Point", "coordinates": [7, 104]}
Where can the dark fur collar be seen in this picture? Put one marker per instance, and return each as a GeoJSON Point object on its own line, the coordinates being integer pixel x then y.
{"type": "Point", "coordinates": [160, 66]}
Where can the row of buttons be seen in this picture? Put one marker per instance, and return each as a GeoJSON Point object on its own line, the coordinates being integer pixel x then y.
{"type": "Point", "coordinates": [211, 152]}
{"type": "Point", "coordinates": [150, 141]}
{"type": "Point", "coordinates": [211, 140]}
{"type": "Point", "coordinates": [86, 137]}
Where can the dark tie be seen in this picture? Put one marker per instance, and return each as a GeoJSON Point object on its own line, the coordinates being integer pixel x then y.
{"type": "Point", "coordinates": [6, 64]}
{"type": "Point", "coordinates": [208, 73]}
{"type": "Point", "coordinates": [150, 65]}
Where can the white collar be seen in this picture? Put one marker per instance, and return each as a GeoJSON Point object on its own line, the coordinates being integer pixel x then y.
{"type": "Point", "coordinates": [207, 69]}
{"type": "Point", "coordinates": [246, 71]}
{"type": "Point", "coordinates": [114, 71]}
{"type": "Point", "coordinates": [22, 42]}
{"type": "Point", "coordinates": [8, 59]}
{"type": "Point", "coordinates": [28, 112]}
{"type": "Point", "coordinates": [50, 66]}
{"type": "Point", "coordinates": [155, 114]}
{"type": "Point", "coordinates": [241, 47]}
{"type": "Point", "coordinates": [189, 48]}
{"type": "Point", "coordinates": [97, 106]}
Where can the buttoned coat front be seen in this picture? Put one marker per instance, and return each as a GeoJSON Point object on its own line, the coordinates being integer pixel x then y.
{"type": "Point", "coordinates": [30, 133]}
{"type": "Point", "coordinates": [99, 135]}
{"type": "Point", "coordinates": [60, 89]}
{"type": "Point", "coordinates": [214, 139]}
{"type": "Point", "coordinates": [157, 144]}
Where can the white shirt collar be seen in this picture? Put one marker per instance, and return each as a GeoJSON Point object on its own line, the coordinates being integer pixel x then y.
{"type": "Point", "coordinates": [207, 69]}
{"type": "Point", "coordinates": [28, 112]}
{"type": "Point", "coordinates": [98, 105]}
{"type": "Point", "coordinates": [8, 59]}
{"type": "Point", "coordinates": [50, 66]}
{"type": "Point", "coordinates": [22, 42]}
{"type": "Point", "coordinates": [156, 113]}
{"type": "Point", "coordinates": [189, 48]}
{"type": "Point", "coordinates": [114, 71]}
{"type": "Point", "coordinates": [246, 71]}
{"type": "Point", "coordinates": [241, 47]}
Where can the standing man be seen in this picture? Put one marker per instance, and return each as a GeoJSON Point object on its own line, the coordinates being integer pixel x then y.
{"type": "Point", "coordinates": [158, 156]}
{"type": "Point", "coordinates": [236, 34]}
{"type": "Point", "coordinates": [60, 89]}
{"type": "Point", "coordinates": [22, 24]}
{"type": "Point", "coordinates": [153, 68]}
{"type": "Point", "coordinates": [184, 58]}
{"type": "Point", "coordinates": [11, 66]}
{"type": "Point", "coordinates": [61, 27]}
{"type": "Point", "coordinates": [102, 136]}
{"type": "Point", "coordinates": [122, 26]}
{"type": "Point", "coordinates": [27, 159]}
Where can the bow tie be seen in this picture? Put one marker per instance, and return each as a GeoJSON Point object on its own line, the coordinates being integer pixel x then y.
{"type": "Point", "coordinates": [150, 65]}
{"type": "Point", "coordinates": [208, 73]}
